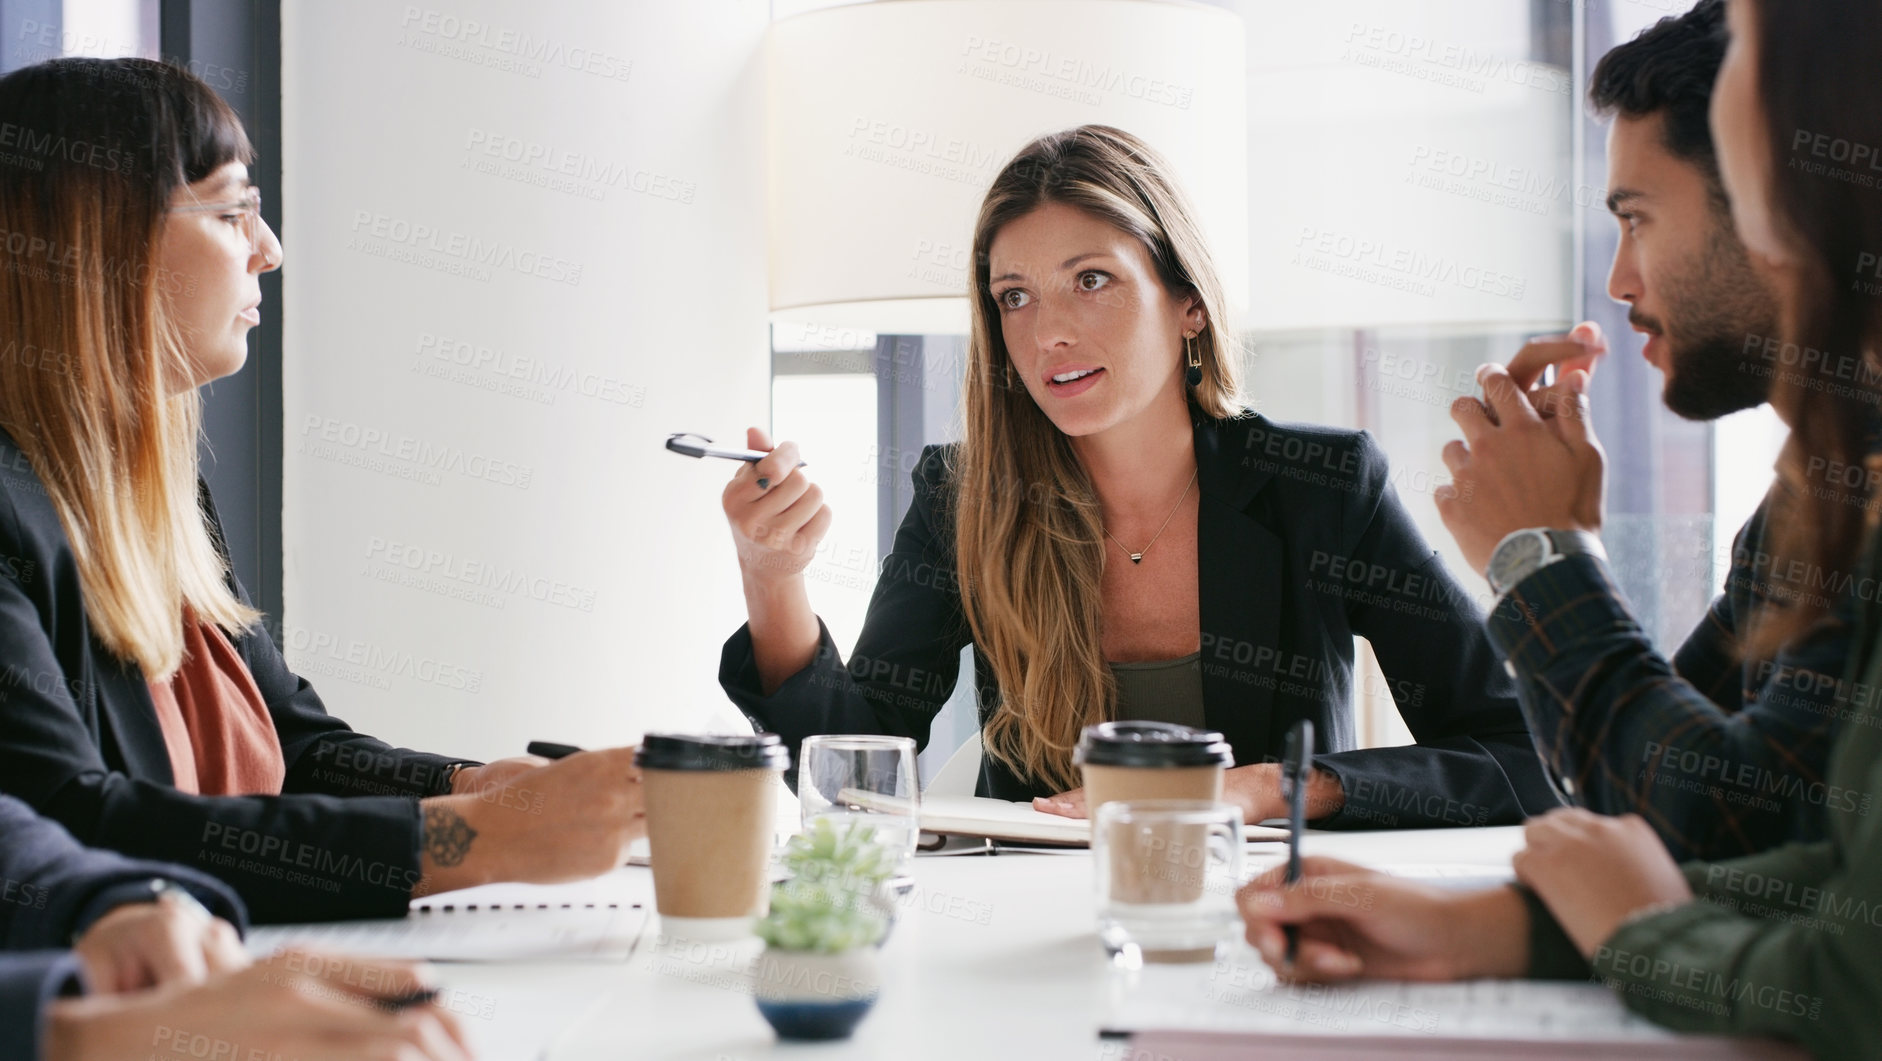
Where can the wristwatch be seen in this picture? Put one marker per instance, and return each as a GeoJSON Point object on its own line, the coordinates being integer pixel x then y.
{"type": "Point", "coordinates": [1523, 553]}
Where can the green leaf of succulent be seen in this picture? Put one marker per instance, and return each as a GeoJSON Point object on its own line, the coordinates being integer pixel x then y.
{"type": "Point", "coordinates": [829, 903]}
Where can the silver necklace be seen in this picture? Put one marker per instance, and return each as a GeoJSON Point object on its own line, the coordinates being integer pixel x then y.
{"type": "Point", "coordinates": [1138, 556]}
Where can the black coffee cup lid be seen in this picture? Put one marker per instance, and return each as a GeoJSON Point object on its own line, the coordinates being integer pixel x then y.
{"type": "Point", "coordinates": [1151, 744]}
{"type": "Point", "coordinates": [691, 751]}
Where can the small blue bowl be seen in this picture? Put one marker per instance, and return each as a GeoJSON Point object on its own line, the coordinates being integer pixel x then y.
{"type": "Point", "coordinates": [811, 1021]}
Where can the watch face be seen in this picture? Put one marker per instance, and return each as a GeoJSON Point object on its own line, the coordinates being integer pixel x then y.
{"type": "Point", "coordinates": [1520, 553]}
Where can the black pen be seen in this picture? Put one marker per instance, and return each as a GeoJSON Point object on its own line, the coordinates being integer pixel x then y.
{"type": "Point", "coordinates": [551, 750]}
{"type": "Point", "coordinates": [424, 996]}
{"type": "Point", "coordinates": [688, 444]}
{"type": "Point", "coordinates": [1295, 768]}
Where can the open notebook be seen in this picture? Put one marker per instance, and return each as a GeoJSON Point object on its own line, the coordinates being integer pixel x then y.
{"type": "Point", "coordinates": [491, 923]}
{"type": "Point", "coordinates": [1234, 1011]}
{"type": "Point", "coordinates": [998, 819]}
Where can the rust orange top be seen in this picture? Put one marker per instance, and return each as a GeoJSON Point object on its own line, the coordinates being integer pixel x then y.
{"type": "Point", "coordinates": [215, 724]}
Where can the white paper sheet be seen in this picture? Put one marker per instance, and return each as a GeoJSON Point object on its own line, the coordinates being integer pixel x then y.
{"type": "Point", "coordinates": [1241, 996]}
{"type": "Point", "coordinates": [597, 919]}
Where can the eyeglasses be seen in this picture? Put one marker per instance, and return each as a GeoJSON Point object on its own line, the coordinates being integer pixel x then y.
{"type": "Point", "coordinates": [244, 213]}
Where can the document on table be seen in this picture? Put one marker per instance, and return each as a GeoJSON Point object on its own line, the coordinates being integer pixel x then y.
{"type": "Point", "coordinates": [494, 923]}
{"type": "Point", "coordinates": [1235, 1008]}
{"type": "Point", "coordinates": [1000, 819]}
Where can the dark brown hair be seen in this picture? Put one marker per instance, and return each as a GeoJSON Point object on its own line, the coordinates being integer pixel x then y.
{"type": "Point", "coordinates": [1818, 62]}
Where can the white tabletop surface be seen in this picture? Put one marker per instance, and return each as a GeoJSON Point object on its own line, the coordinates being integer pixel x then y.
{"type": "Point", "coordinates": [991, 958]}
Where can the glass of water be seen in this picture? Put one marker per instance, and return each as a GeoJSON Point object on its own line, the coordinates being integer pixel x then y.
{"type": "Point", "coordinates": [863, 780]}
{"type": "Point", "coordinates": [1167, 871]}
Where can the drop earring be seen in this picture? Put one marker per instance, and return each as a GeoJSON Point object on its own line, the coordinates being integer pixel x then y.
{"type": "Point", "coordinates": [1191, 348]}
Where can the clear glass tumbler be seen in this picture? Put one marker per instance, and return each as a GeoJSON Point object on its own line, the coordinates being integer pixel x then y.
{"type": "Point", "coordinates": [863, 780]}
{"type": "Point", "coordinates": [1167, 871]}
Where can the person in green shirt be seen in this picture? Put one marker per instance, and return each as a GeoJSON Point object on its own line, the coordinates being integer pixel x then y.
{"type": "Point", "coordinates": [1786, 943]}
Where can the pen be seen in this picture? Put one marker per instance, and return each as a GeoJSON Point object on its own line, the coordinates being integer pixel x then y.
{"type": "Point", "coordinates": [1295, 767]}
{"type": "Point", "coordinates": [551, 750]}
{"type": "Point", "coordinates": [422, 996]}
{"type": "Point", "coordinates": [688, 444]}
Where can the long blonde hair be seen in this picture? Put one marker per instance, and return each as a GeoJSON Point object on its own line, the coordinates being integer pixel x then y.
{"type": "Point", "coordinates": [90, 358]}
{"type": "Point", "coordinates": [1029, 540]}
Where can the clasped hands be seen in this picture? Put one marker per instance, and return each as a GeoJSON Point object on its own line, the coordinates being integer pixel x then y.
{"type": "Point", "coordinates": [157, 969]}
{"type": "Point", "coordinates": [1529, 456]}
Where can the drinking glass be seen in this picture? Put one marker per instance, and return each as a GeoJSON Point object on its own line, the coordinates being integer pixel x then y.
{"type": "Point", "coordinates": [1167, 871]}
{"type": "Point", "coordinates": [865, 780]}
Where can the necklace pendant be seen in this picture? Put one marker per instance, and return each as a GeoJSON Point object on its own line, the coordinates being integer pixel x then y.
{"type": "Point", "coordinates": [1137, 558]}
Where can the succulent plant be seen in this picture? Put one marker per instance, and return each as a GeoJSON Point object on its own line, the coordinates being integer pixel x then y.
{"type": "Point", "coordinates": [830, 902]}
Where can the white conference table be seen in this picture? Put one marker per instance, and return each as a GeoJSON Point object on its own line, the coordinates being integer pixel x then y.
{"type": "Point", "coordinates": [991, 958]}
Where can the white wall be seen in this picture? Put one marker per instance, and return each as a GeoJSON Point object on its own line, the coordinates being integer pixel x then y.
{"type": "Point", "coordinates": [475, 560]}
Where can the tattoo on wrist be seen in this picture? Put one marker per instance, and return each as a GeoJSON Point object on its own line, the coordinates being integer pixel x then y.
{"type": "Point", "coordinates": [448, 836]}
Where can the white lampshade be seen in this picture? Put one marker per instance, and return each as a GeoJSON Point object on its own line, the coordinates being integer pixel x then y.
{"type": "Point", "coordinates": [889, 120]}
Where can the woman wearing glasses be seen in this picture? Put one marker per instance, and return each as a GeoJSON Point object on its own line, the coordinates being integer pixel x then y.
{"type": "Point", "coordinates": [1117, 537]}
{"type": "Point", "coordinates": [142, 705]}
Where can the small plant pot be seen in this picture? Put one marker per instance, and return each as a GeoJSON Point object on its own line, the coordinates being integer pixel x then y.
{"type": "Point", "coordinates": [806, 995]}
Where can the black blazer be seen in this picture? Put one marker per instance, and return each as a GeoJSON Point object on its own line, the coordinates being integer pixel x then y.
{"type": "Point", "coordinates": [1302, 544]}
{"type": "Point", "coordinates": [79, 742]}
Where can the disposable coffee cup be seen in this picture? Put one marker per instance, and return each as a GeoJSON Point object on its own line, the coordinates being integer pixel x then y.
{"type": "Point", "coordinates": [711, 825]}
{"type": "Point", "coordinates": [1133, 761]}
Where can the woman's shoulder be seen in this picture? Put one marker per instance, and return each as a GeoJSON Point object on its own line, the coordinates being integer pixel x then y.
{"type": "Point", "coordinates": [932, 469]}
{"type": "Point", "coordinates": [1294, 452]}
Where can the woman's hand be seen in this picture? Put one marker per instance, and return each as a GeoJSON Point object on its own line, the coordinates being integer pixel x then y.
{"type": "Point", "coordinates": [148, 944]}
{"type": "Point", "coordinates": [1595, 872]}
{"type": "Point", "coordinates": [777, 514]}
{"type": "Point", "coordinates": [569, 820]}
{"type": "Point", "coordinates": [297, 1004]}
{"type": "Point", "coordinates": [1256, 789]}
{"type": "Point", "coordinates": [1356, 923]}
{"type": "Point", "coordinates": [778, 517]}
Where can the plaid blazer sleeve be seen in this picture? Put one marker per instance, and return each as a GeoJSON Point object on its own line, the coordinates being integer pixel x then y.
{"type": "Point", "coordinates": [1722, 757]}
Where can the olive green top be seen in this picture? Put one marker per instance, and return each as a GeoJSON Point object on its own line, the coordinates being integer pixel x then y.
{"type": "Point", "coordinates": [1165, 690]}
{"type": "Point", "coordinates": [1785, 943]}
